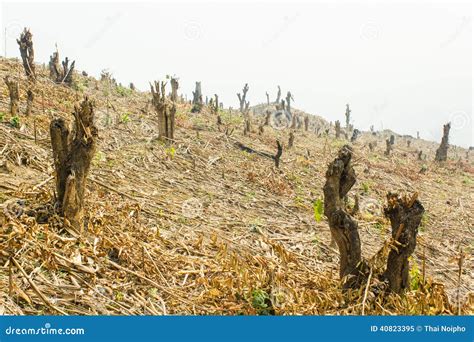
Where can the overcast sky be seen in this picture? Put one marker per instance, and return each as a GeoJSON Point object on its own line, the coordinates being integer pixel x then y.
{"type": "Point", "coordinates": [404, 66]}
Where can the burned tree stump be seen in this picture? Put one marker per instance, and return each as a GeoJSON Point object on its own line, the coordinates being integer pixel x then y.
{"type": "Point", "coordinates": [242, 97]}
{"type": "Point", "coordinates": [278, 97]}
{"type": "Point", "coordinates": [306, 123]}
{"type": "Point", "coordinates": [388, 147]}
{"type": "Point", "coordinates": [268, 115]}
{"type": "Point", "coordinates": [340, 177]}
{"type": "Point", "coordinates": [291, 140]}
{"type": "Point", "coordinates": [14, 95]}
{"type": "Point", "coordinates": [289, 98]}
{"type": "Point", "coordinates": [165, 110]}
{"type": "Point", "coordinates": [278, 154]}
{"type": "Point", "coordinates": [338, 129]}
{"type": "Point", "coordinates": [442, 151]}
{"type": "Point", "coordinates": [27, 53]}
{"type": "Point", "coordinates": [174, 89]}
{"type": "Point", "coordinates": [348, 117]}
{"type": "Point", "coordinates": [197, 99]}
{"type": "Point", "coordinates": [30, 96]}
{"type": "Point", "coordinates": [61, 75]}
{"type": "Point", "coordinates": [268, 98]}
{"type": "Point", "coordinates": [405, 216]}
{"type": "Point", "coordinates": [72, 158]}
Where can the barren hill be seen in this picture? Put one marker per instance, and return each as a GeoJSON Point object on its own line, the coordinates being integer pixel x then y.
{"type": "Point", "coordinates": [204, 226]}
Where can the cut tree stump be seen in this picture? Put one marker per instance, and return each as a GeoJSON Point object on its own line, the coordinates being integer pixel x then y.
{"type": "Point", "coordinates": [405, 216]}
{"type": "Point", "coordinates": [72, 158]}
{"type": "Point", "coordinates": [166, 111]}
{"type": "Point", "coordinates": [14, 95]}
{"type": "Point", "coordinates": [340, 177]}
{"type": "Point", "coordinates": [442, 151]}
{"type": "Point", "coordinates": [27, 53]}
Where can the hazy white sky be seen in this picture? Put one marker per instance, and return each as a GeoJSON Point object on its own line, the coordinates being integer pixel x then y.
{"type": "Point", "coordinates": [406, 66]}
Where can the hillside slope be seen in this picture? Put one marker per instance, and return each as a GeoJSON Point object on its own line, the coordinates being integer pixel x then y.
{"type": "Point", "coordinates": [202, 227]}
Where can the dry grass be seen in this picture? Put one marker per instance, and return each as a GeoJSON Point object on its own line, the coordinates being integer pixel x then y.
{"type": "Point", "coordinates": [200, 227]}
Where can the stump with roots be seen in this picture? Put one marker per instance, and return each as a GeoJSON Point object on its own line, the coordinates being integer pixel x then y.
{"type": "Point", "coordinates": [405, 216]}
{"type": "Point", "coordinates": [73, 152]}
{"type": "Point", "coordinates": [166, 111]}
{"type": "Point", "coordinates": [27, 53]}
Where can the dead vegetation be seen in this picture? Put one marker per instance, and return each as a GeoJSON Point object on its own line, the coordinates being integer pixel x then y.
{"type": "Point", "coordinates": [203, 226]}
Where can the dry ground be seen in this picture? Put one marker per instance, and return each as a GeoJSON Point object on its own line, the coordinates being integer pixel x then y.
{"type": "Point", "coordinates": [201, 227]}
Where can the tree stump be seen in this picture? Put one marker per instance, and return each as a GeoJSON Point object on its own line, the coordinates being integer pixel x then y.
{"type": "Point", "coordinates": [30, 96]}
{"type": "Point", "coordinates": [388, 147]}
{"type": "Point", "coordinates": [72, 158]}
{"type": "Point", "coordinates": [242, 97]}
{"type": "Point", "coordinates": [278, 97]}
{"type": "Point", "coordinates": [27, 53]}
{"type": "Point", "coordinates": [166, 112]}
{"type": "Point", "coordinates": [278, 154]}
{"type": "Point", "coordinates": [338, 129]}
{"type": "Point", "coordinates": [306, 123]}
{"type": "Point", "coordinates": [174, 89]}
{"type": "Point", "coordinates": [14, 95]}
{"type": "Point", "coordinates": [65, 74]}
{"type": "Point", "coordinates": [291, 140]}
{"type": "Point", "coordinates": [340, 177]}
{"type": "Point", "coordinates": [197, 99]}
{"type": "Point", "coordinates": [442, 151]}
{"type": "Point", "coordinates": [405, 216]}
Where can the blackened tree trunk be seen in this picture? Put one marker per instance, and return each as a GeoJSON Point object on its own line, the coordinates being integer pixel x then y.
{"type": "Point", "coordinates": [72, 158]}
{"type": "Point", "coordinates": [30, 96]}
{"type": "Point", "coordinates": [197, 99]}
{"type": "Point", "coordinates": [165, 110]}
{"type": "Point", "coordinates": [14, 95]}
{"type": "Point", "coordinates": [278, 97]}
{"type": "Point", "coordinates": [340, 177]}
{"type": "Point", "coordinates": [174, 89]}
{"type": "Point", "coordinates": [61, 75]}
{"type": "Point", "coordinates": [291, 140]}
{"type": "Point", "coordinates": [338, 129]}
{"type": "Point", "coordinates": [278, 154]}
{"type": "Point", "coordinates": [442, 151]}
{"type": "Point", "coordinates": [27, 53]}
{"type": "Point", "coordinates": [242, 99]}
{"type": "Point", "coordinates": [405, 216]}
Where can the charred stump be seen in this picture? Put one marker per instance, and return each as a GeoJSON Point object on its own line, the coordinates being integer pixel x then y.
{"type": "Point", "coordinates": [388, 147]}
{"type": "Point", "coordinates": [61, 75]}
{"type": "Point", "coordinates": [340, 177]}
{"type": "Point", "coordinates": [405, 216]}
{"type": "Point", "coordinates": [166, 111]}
{"type": "Point", "coordinates": [278, 97]}
{"type": "Point", "coordinates": [174, 89]}
{"type": "Point", "coordinates": [348, 117]}
{"type": "Point", "coordinates": [291, 140]}
{"type": "Point", "coordinates": [197, 99]}
{"type": "Point", "coordinates": [442, 151]}
{"type": "Point", "coordinates": [14, 95]}
{"type": "Point", "coordinates": [27, 53]}
{"type": "Point", "coordinates": [278, 154]}
{"type": "Point", "coordinates": [30, 96]}
{"type": "Point", "coordinates": [268, 98]}
{"type": "Point", "coordinates": [306, 123]}
{"type": "Point", "coordinates": [242, 97]}
{"type": "Point", "coordinates": [72, 157]}
{"type": "Point", "coordinates": [338, 129]}
{"type": "Point", "coordinates": [289, 98]}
